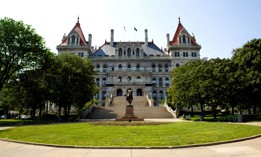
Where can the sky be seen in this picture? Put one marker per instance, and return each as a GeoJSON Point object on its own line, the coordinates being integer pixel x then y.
{"type": "Point", "coordinates": [220, 26]}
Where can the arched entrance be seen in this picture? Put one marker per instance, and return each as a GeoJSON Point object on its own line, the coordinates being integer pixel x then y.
{"type": "Point", "coordinates": [119, 92]}
{"type": "Point", "coordinates": [139, 92]}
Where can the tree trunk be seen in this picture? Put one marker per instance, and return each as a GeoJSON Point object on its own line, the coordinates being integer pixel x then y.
{"type": "Point", "coordinates": [7, 110]}
{"type": "Point", "coordinates": [192, 112]}
{"type": "Point", "coordinates": [233, 110]}
{"type": "Point", "coordinates": [202, 111]}
{"type": "Point", "coordinates": [68, 110]}
{"type": "Point", "coordinates": [214, 112]}
{"type": "Point", "coordinates": [254, 109]}
{"type": "Point", "coordinates": [59, 110]}
{"type": "Point", "coordinates": [249, 110]}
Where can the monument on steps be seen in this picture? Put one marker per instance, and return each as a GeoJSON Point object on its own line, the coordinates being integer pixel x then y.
{"type": "Point", "coordinates": [129, 115]}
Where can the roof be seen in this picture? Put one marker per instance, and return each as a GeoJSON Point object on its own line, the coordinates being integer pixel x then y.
{"type": "Point", "coordinates": [78, 30]}
{"type": "Point", "coordinates": [181, 29]}
{"type": "Point", "coordinates": [107, 50]}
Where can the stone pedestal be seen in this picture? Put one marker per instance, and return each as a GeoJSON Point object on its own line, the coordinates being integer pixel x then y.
{"type": "Point", "coordinates": [129, 115]}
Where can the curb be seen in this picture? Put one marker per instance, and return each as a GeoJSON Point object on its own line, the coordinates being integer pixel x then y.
{"type": "Point", "coordinates": [133, 147]}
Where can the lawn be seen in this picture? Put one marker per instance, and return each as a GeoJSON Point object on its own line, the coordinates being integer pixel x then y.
{"type": "Point", "coordinates": [96, 134]}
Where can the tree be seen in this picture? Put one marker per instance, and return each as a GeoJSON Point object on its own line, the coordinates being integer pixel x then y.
{"type": "Point", "coordinates": [248, 60]}
{"type": "Point", "coordinates": [70, 80]}
{"type": "Point", "coordinates": [185, 85]}
{"type": "Point", "coordinates": [20, 48]}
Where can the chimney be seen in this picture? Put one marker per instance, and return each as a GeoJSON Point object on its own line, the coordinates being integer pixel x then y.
{"type": "Point", "coordinates": [112, 37]}
{"type": "Point", "coordinates": [167, 39]}
{"type": "Point", "coordinates": [146, 37]}
{"type": "Point", "coordinates": [90, 40]}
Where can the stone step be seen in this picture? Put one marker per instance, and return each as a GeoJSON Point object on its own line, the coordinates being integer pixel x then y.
{"type": "Point", "coordinates": [146, 112]}
{"type": "Point", "coordinates": [118, 109]}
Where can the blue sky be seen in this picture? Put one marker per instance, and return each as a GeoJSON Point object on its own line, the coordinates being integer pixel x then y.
{"type": "Point", "coordinates": [219, 25]}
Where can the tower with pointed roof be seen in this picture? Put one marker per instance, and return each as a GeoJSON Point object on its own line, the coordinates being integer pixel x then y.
{"type": "Point", "coordinates": [75, 42]}
{"type": "Point", "coordinates": [183, 47]}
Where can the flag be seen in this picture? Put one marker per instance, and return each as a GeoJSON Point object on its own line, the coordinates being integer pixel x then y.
{"type": "Point", "coordinates": [135, 29]}
{"type": "Point", "coordinates": [124, 28]}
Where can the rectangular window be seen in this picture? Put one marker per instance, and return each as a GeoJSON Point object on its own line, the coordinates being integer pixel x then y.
{"type": "Point", "coordinates": [176, 54]}
{"type": "Point", "coordinates": [185, 54]}
{"type": "Point", "coordinates": [80, 54]}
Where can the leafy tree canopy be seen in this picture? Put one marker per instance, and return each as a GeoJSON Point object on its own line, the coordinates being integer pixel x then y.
{"type": "Point", "coordinates": [21, 48]}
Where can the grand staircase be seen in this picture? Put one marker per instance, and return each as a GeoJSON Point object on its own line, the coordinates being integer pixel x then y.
{"type": "Point", "coordinates": [118, 107]}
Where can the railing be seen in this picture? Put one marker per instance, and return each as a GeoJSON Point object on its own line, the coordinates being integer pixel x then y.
{"type": "Point", "coordinates": [111, 99]}
{"type": "Point", "coordinates": [169, 109]}
{"type": "Point", "coordinates": [85, 113]}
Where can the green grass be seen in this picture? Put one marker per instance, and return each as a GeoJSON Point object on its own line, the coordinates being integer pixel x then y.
{"type": "Point", "coordinates": [89, 134]}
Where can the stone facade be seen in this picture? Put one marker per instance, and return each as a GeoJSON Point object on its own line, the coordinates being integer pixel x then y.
{"type": "Point", "coordinates": [140, 66]}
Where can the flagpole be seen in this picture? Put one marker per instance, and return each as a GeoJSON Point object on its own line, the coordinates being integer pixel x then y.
{"type": "Point", "coordinates": [135, 30]}
{"type": "Point", "coordinates": [123, 34]}
{"type": "Point", "coordinates": [134, 35]}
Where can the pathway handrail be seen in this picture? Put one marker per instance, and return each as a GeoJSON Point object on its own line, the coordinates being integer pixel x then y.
{"type": "Point", "coordinates": [169, 109]}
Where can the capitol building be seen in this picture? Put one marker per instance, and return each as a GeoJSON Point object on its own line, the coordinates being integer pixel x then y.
{"type": "Point", "coordinates": [140, 66]}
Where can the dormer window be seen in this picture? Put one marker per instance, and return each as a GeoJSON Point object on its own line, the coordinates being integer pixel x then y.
{"type": "Point", "coordinates": [184, 39]}
{"type": "Point", "coordinates": [73, 40]}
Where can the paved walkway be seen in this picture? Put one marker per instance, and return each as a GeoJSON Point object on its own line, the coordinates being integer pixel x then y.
{"type": "Point", "coordinates": [249, 148]}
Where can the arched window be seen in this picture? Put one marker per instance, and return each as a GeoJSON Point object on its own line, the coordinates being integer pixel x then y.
{"type": "Point", "coordinates": [120, 52]}
{"type": "Point", "coordinates": [129, 52]}
{"type": "Point", "coordinates": [161, 95]}
{"type": "Point", "coordinates": [154, 82]}
{"type": "Point", "coordinates": [73, 39]}
{"type": "Point", "coordinates": [166, 68]}
{"type": "Point", "coordinates": [119, 92]}
{"type": "Point", "coordinates": [154, 95]}
{"type": "Point", "coordinates": [129, 78]}
{"type": "Point", "coordinates": [138, 79]}
{"type": "Point", "coordinates": [77, 41]}
{"type": "Point", "coordinates": [103, 95]}
{"type": "Point", "coordinates": [160, 68]}
{"type": "Point", "coordinates": [104, 82]}
{"type": "Point", "coordinates": [139, 92]}
{"type": "Point", "coordinates": [104, 67]}
{"type": "Point", "coordinates": [119, 79]}
{"type": "Point", "coordinates": [177, 65]}
{"type": "Point", "coordinates": [98, 82]}
{"type": "Point", "coordinates": [138, 67]}
{"type": "Point", "coordinates": [167, 82]}
{"type": "Point", "coordinates": [184, 39]}
{"type": "Point", "coordinates": [137, 52]}
{"type": "Point", "coordinates": [120, 67]}
{"type": "Point", "coordinates": [129, 67]}
{"type": "Point", "coordinates": [153, 68]}
{"type": "Point", "coordinates": [98, 67]}
{"type": "Point", "coordinates": [160, 82]}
